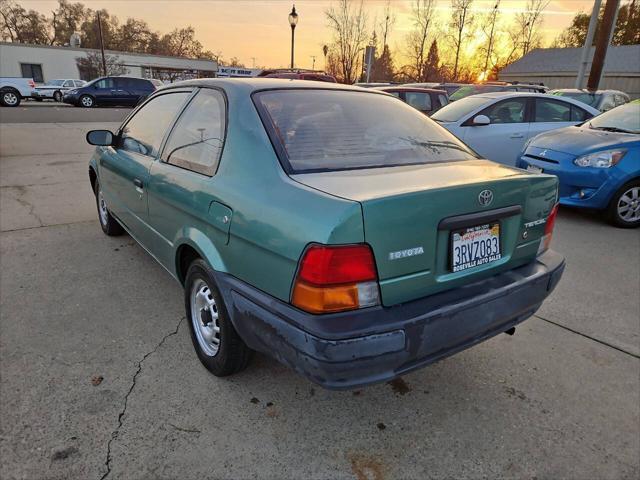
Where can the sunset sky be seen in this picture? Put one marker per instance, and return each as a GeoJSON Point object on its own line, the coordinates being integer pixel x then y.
{"type": "Point", "coordinates": [259, 29]}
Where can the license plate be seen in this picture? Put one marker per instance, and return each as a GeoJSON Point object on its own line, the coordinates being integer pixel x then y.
{"type": "Point", "coordinates": [475, 246]}
{"type": "Point", "coordinates": [534, 169]}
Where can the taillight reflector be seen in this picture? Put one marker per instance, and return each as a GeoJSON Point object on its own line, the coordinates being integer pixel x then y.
{"type": "Point", "coordinates": [545, 241]}
{"type": "Point", "coordinates": [336, 278]}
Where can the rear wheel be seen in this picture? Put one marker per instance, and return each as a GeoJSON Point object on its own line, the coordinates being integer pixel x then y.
{"type": "Point", "coordinates": [57, 96]}
{"type": "Point", "coordinates": [217, 344]}
{"type": "Point", "coordinates": [87, 101]}
{"type": "Point", "coordinates": [10, 98]}
{"type": "Point", "coordinates": [624, 209]}
{"type": "Point", "coordinates": [110, 225]}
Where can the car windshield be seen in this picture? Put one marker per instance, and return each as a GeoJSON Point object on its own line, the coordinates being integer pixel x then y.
{"type": "Point", "coordinates": [467, 90]}
{"type": "Point", "coordinates": [457, 110]}
{"type": "Point", "coordinates": [590, 99]}
{"type": "Point", "coordinates": [55, 83]}
{"type": "Point", "coordinates": [325, 130]}
{"type": "Point", "coordinates": [624, 119]}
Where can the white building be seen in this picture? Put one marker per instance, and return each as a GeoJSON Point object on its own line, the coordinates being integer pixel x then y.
{"type": "Point", "coordinates": [43, 63]}
{"type": "Point", "coordinates": [558, 68]}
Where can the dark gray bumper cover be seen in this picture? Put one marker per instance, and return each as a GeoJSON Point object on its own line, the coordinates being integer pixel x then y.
{"type": "Point", "coordinates": [351, 349]}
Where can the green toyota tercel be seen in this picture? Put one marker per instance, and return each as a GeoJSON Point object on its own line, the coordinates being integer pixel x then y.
{"type": "Point", "coordinates": [334, 228]}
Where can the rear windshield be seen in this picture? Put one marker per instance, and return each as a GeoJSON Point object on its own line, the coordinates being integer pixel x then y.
{"type": "Point", "coordinates": [325, 130]}
{"type": "Point", "coordinates": [590, 99]}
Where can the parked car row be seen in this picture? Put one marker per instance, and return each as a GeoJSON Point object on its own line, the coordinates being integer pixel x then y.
{"type": "Point", "coordinates": [55, 89]}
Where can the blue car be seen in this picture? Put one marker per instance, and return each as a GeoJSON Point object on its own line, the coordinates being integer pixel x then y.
{"type": "Point", "coordinates": [597, 163]}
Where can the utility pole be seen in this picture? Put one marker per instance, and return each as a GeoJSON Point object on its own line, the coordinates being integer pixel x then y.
{"type": "Point", "coordinates": [586, 49]}
{"type": "Point", "coordinates": [104, 63]}
{"type": "Point", "coordinates": [494, 15]}
{"type": "Point", "coordinates": [602, 44]}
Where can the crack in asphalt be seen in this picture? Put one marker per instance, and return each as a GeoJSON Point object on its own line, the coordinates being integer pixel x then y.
{"type": "Point", "coordinates": [597, 340]}
{"type": "Point", "coordinates": [116, 432]}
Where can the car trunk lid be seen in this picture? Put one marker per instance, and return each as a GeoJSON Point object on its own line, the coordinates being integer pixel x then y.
{"type": "Point", "coordinates": [410, 214]}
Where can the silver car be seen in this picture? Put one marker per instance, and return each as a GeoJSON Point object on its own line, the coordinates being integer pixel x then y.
{"type": "Point", "coordinates": [55, 89]}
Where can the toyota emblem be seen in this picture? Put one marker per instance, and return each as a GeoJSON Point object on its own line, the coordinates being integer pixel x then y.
{"type": "Point", "coordinates": [485, 197]}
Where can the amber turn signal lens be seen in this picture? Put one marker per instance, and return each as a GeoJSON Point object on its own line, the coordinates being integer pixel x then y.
{"type": "Point", "coordinates": [325, 299]}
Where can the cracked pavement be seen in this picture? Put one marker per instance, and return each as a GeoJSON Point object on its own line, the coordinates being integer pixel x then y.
{"type": "Point", "coordinates": [559, 399]}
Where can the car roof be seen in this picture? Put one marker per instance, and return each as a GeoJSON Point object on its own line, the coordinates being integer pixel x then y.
{"type": "Point", "coordinates": [495, 96]}
{"type": "Point", "coordinates": [585, 90]}
{"type": "Point", "coordinates": [254, 84]}
{"type": "Point", "coordinates": [409, 88]}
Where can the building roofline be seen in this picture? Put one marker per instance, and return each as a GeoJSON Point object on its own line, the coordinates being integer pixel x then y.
{"type": "Point", "coordinates": [111, 52]}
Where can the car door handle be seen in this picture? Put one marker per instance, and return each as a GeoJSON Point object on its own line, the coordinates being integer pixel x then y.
{"type": "Point", "coordinates": [516, 135]}
{"type": "Point", "coordinates": [138, 183]}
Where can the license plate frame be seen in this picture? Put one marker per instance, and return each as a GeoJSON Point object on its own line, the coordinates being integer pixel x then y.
{"type": "Point", "coordinates": [487, 231]}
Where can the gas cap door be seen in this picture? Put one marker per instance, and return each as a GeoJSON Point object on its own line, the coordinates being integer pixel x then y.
{"type": "Point", "coordinates": [220, 216]}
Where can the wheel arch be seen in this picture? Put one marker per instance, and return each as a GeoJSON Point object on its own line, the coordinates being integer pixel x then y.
{"type": "Point", "coordinates": [93, 177]}
{"type": "Point", "coordinates": [195, 244]}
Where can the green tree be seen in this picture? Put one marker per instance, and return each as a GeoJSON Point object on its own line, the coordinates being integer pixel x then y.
{"type": "Point", "coordinates": [67, 19]}
{"type": "Point", "coordinates": [22, 26]}
{"type": "Point", "coordinates": [627, 31]}
{"type": "Point", "coordinates": [432, 65]}
{"type": "Point", "coordinates": [383, 70]}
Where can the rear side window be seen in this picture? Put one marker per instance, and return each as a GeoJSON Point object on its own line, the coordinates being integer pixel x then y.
{"type": "Point", "coordinates": [144, 131]}
{"type": "Point", "coordinates": [106, 83]}
{"type": "Point", "coordinates": [196, 141]}
{"type": "Point", "coordinates": [325, 130]}
{"type": "Point", "coordinates": [421, 101]}
{"type": "Point", "coordinates": [443, 100]}
{"type": "Point", "coordinates": [552, 111]}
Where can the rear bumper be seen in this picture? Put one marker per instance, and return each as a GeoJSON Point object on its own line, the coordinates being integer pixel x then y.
{"type": "Point", "coordinates": [351, 349]}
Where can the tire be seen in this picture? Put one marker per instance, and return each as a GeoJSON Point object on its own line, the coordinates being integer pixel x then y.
{"type": "Point", "coordinates": [624, 209]}
{"type": "Point", "coordinates": [86, 101]}
{"type": "Point", "coordinates": [217, 344]}
{"type": "Point", "coordinates": [109, 225]}
{"type": "Point", "coordinates": [57, 96]}
{"type": "Point", "coordinates": [10, 98]}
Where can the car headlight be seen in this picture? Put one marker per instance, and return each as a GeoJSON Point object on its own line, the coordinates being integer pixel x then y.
{"type": "Point", "coordinates": [604, 159]}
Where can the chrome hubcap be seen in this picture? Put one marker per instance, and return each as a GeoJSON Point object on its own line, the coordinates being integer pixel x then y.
{"type": "Point", "coordinates": [87, 102]}
{"type": "Point", "coordinates": [629, 205]}
{"type": "Point", "coordinates": [204, 318]}
{"type": "Point", "coordinates": [10, 98]}
{"type": "Point", "coordinates": [102, 209]}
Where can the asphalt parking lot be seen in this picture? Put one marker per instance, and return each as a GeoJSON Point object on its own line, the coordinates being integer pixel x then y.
{"type": "Point", "coordinates": [98, 378]}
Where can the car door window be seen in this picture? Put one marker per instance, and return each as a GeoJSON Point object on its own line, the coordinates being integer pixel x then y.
{"type": "Point", "coordinates": [106, 83]}
{"type": "Point", "coordinates": [419, 101]}
{"type": "Point", "coordinates": [144, 131]}
{"type": "Point", "coordinates": [395, 94]}
{"type": "Point", "coordinates": [196, 141]}
{"type": "Point", "coordinates": [443, 100]}
{"type": "Point", "coordinates": [507, 111]}
{"type": "Point", "coordinates": [552, 111]}
{"type": "Point", "coordinates": [68, 83]}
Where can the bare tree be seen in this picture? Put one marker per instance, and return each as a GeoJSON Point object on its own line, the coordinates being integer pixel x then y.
{"type": "Point", "coordinates": [528, 24]}
{"type": "Point", "coordinates": [349, 25]}
{"type": "Point", "coordinates": [386, 25]}
{"type": "Point", "coordinates": [417, 46]}
{"type": "Point", "coordinates": [461, 19]}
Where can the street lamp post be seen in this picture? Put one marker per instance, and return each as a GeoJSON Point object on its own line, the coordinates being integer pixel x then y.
{"type": "Point", "coordinates": [293, 21]}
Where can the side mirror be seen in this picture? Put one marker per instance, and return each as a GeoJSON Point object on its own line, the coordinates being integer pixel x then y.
{"type": "Point", "coordinates": [101, 138]}
{"type": "Point", "coordinates": [481, 120]}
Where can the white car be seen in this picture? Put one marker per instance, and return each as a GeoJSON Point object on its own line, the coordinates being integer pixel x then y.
{"type": "Point", "coordinates": [14, 89]}
{"type": "Point", "coordinates": [56, 89]}
{"type": "Point", "coordinates": [498, 124]}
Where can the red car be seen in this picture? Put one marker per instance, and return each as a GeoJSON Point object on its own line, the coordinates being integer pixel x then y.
{"type": "Point", "coordinates": [427, 100]}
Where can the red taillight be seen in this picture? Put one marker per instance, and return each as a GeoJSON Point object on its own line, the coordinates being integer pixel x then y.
{"type": "Point", "coordinates": [545, 241]}
{"type": "Point", "coordinates": [551, 220]}
{"type": "Point", "coordinates": [323, 265]}
{"type": "Point", "coordinates": [32, 84]}
{"type": "Point", "coordinates": [336, 278]}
